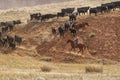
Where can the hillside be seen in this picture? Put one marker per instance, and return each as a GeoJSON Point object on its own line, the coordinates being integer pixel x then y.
{"type": "Point", "coordinates": [102, 38]}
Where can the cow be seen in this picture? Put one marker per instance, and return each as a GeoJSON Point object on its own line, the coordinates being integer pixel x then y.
{"type": "Point", "coordinates": [117, 4]}
{"type": "Point", "coordinates": [72, 31]}
{"type": "Point", "coordinates": [15, 22]}
{"type": "Point", "coordinates": [12, 45]}
{"type": "Point", "coordinates": [35, 16]}
{"type": "Point", "coordinates": [10, 26]}
{"type": "Point", "coordinates": [83, 10]}
{"type": "Point", "coordinates": [10, 39]}
{"type": "Point", "coordinates": [67, 25]}
{"type": "Point", "coordinates": [61, 30]}
{"type": "Point", "coordinates": [3, 41]}
{"type": "Point", "coordinates": [18, 39]}
{"type": "Point", "coordinates": [4, 29]}
{"type": "Point", "coordinates": [110, 6]}
{"type": "Point", "coordinates": [94, 11]}
{"type": "Point", "coordinates": [73, 16]}
{"type": "Point", "coordinates": [68, 10]}
{"type": "Point", "coordinates": [60, 14]}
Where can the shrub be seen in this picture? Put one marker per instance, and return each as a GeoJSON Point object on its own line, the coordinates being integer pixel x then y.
{"type": "Point", "coordinates": [94, 68]}
{"type": "Point", "coordinates": [46, 68]}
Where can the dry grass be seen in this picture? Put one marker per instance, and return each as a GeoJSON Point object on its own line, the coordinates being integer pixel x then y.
{"type": "Point", "coordinates": [27, 68]}
{"type": "Point", "coordinates": [94, 68]}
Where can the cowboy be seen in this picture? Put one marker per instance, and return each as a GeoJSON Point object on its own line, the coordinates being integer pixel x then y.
{"type": "Point", "coordinates": [76, 41]}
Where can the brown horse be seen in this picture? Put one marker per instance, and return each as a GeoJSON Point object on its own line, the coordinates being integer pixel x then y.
{"type": "Point", "coordinates": [80, 46]}
{"type": "Point", "coordinates": [78, 25]}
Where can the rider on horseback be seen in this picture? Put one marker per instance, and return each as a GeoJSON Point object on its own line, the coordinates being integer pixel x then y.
{"type": "Point", "coordinates": [76, 41]}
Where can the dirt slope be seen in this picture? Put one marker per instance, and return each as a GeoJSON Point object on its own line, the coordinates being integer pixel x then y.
{"type": "Point", "coordinates": [105, 42]}
{"type": "Point", "coordinates": [102, 38]}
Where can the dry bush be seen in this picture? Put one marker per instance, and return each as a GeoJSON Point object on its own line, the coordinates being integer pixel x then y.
{"type": "Point", "coordinates": [46, 68]}
{"type": "Point", "coordinates": [93, 68]}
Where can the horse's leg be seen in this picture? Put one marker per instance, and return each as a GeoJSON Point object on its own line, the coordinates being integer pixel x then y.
{"type": "Point", "coordinates": [82, 52]}
{"type": "Point", "coordinates": [79, 50]}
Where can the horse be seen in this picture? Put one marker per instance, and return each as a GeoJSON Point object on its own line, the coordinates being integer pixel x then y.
{"type": "Point", "coordinates": [80, 46]}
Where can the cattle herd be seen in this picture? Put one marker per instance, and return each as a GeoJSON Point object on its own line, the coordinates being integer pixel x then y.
{"type": "Point", "coordinates": [104, 8]}
{"type": "Point", "coordinates": [9, 41]}
{"type": "Point", "coordinates": [69, 26]}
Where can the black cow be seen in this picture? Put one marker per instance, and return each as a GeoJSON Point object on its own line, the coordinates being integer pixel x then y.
{"type": "Point", "coordinates": [68, 10]}
{"type": "Point", "coordinates": [4, 29]}
{"type": "Point", "coordinates": [3, 41]}
{"type": "Point", "coordinates": [83, 10]}
{"type": "Point", "coordinates": [60, 14]}
{"type": "Point", "coordinates": [17, 22]}
{"type": "Point", "coordinates": [35, 16]}
{"type": "Point", "coordinates": [117, 4]}
{"type": "Point", "coordinates": [61, 31]}
{"type": "Point", "coordinates": [110, 6]}
{"type": "Point", "coordinates": [47, 16]}
{"type": "Point", "coordinates": [73, 16]}
{"type": "Point", "coordinates": [10, 26]}
{"type": "Point", "coordinates": [43, 18]}
{"type": "Point", "coordinates": [104, 9]}
{"type": "Point", "coordinates": [72, 31]}
{"type": "Point", "coordinates": [18, 39]}
{"type": "Point", "coordinates": [12, 45]}
{"type": "Point", "coordinates": [10, 39]}
{"type": "Point", "coordinates": [3, 23]}
{"type": "Point", "coordinates": [94, 11]}
{"type": "Point", "coordinates": [67, 25]}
